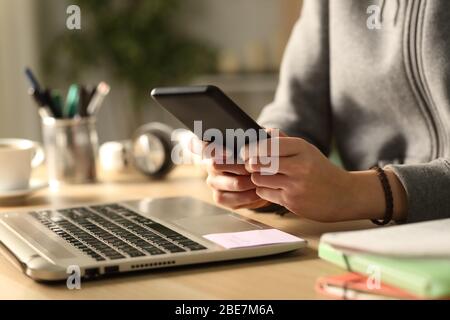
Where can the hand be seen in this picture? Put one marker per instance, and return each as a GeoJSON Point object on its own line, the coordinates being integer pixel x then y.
{"type": "Point", "coordinates": [231, 183]}
{"type": "Point", "coordinates": [311, 186]}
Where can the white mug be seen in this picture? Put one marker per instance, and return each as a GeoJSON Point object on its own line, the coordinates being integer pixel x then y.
{"type": "Point", "coordinates": [17, 158]}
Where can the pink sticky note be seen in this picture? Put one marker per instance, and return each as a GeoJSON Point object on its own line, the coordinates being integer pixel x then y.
{"type": "Point", "coordinates": [251, 238]}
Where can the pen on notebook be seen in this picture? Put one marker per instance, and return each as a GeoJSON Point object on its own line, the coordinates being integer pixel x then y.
{"type": "Point", "coordinates": [100, 93]}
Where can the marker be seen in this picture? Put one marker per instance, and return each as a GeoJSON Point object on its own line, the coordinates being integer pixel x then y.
{"type": "Point", "coordinates": [44, 101]}
{"type": "Point", "coordinates": [57, 100]}
{"type": "Point", "coordinates": [84, 102]}
{"type": "Point", "coordinates": [91, 95]}
{"type": "Point", "coordinates": [72, 102]}
{"type": "Point", "coordinates": [49, 102]}
{"type": "Point", "coordinates": [33, 81]}
{"type": "Point", "coordinates": [37, 97]}
{"type": "Point", "coordinates": [35, 89]}
{"type": "Point", "coordinates": [99, 95]}
{"type": "Point", "coordinates": [44, 111]}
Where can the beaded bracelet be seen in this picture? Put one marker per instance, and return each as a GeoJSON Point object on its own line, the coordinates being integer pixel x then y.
{"type": "Point", "coordinates": [387, 195]}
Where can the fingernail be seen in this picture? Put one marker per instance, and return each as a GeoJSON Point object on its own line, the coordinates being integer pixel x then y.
{"type": "Point", "coordinates": [253, 161]}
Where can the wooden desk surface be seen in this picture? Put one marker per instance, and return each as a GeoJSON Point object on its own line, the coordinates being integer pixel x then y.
{"type": "Point", "coordinates": [286, 276]}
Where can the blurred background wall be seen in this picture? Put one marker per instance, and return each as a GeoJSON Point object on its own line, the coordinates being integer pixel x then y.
{"type": "Point", "coordinates": [246, 36]}
{"type": "Point", "coordinates": [18, 47]}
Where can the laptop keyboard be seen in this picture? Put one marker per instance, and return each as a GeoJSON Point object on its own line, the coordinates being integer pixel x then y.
{"type": "Point", "coordinates": [114, 232]}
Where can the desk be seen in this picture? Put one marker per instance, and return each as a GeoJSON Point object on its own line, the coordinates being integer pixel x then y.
{"type": "Point", "coordinates": [286, 276]}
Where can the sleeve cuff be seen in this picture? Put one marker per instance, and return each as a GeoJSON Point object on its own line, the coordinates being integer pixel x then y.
{"type": "Point", "coordinates": [428, 189]}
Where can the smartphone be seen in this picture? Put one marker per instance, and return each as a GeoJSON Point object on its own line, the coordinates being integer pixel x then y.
{"type": "Point", "coordinates": [212, 107]}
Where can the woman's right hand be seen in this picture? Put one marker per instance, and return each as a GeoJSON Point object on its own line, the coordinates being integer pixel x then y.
{"type": "Point", "coordinates": [231, 183]}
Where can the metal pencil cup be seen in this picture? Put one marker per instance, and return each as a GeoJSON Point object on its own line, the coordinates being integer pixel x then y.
{"type": "Point", "coordinates": [71, 147]}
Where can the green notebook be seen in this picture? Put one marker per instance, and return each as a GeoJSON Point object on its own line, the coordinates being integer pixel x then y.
{"type": "Point", "coordinates": [427, 278]}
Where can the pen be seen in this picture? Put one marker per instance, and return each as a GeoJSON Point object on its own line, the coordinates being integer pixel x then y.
{"type": "Point", "coordinates": [37, 97]}
{"type": "Point", "coordinates": [84, 101]}
{"type": "Point", "coordinates": [33, 81]}
{"type": "Point", "coordinates": [44, 111]}
{"type": "Point", "coordinates": [91, 95]}
{"type": "Point", "coordinates": [43, 98]}
{"type": "Point", "coordinates": [72, 102]}
{"type": "Point", "coordinates": [45, 103]}
{"type": "Point", "coordinates": [57, 100]}
{"type": "Point", "coordinates": [100, 93]}
{"type": "Point", "coordinates": [56, 111]}
{"type": "Point", "coordinates": [35, 89]}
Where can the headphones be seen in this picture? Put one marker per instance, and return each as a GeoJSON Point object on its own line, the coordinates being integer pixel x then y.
{"type": "Point", "coordinates": [149, 151]}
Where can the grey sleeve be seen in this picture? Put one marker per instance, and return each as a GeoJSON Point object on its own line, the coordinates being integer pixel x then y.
{"type": "Point", "coordinates": [428, 188]}
{"type": "Point", "coordinates": [302, 101]}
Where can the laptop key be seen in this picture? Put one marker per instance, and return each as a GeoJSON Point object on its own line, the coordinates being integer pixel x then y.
{"type": "Point", "coordinates": [162, 229]}
{"type": "Point", "coordinates": [156, 252]}
{"type": "Point", "coordinates": [197, 247]}
{"type": "Point", "coordinates": [136, 254]}
{"type": "Point", "coordinates": [116, 257]}
{"type": "Point", "coordinates": [192, 245]}
{"type": "Point", "coordinates": [174, 249]}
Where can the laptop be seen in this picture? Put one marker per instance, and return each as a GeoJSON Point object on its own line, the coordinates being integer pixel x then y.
{"type": "Point", "coordinates": [113, 238]}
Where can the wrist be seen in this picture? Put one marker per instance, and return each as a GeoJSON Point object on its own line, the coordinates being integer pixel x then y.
{"type": "Point", "coordinates": [368, 198]}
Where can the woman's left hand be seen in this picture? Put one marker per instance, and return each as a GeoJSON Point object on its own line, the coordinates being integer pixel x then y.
{"type": "Point", "coordinates": [311, 186]}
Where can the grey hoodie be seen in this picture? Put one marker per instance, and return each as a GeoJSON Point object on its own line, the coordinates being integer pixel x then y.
{"type": "Point", "coordinates": [383, 95]}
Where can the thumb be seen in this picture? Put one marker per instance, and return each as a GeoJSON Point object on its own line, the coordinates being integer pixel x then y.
{"type": "Point", "coordinates": [275, 132]}
{"type": "Point", "coordinates": [196, 146]}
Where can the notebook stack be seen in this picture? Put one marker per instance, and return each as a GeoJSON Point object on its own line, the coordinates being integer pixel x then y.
{"type": "Point", "coordinates": [399, 262]}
